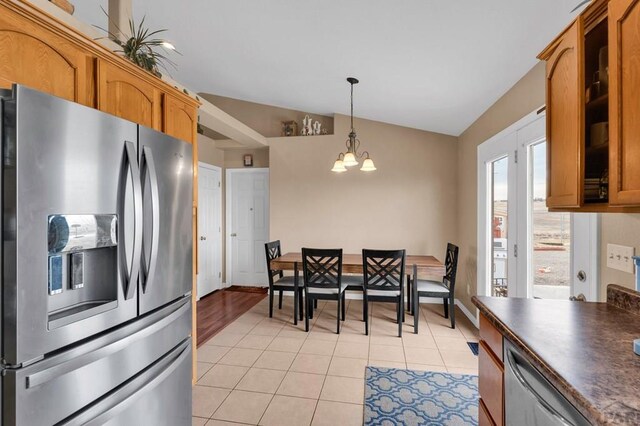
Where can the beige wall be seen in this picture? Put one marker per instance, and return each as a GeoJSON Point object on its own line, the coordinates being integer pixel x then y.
{"type": "Point", "coordinates": [617, 228]}
{"type": "Point", "coordinates": [409, 202]}
{"type": "Point", "coordinates": [524, 97]}
{"type": "Point", "coordinates": [264, 119]}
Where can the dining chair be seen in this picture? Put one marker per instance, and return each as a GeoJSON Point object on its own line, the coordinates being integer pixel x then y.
{"type": "Point", "coordinates": [444, 289]}
{"type": "Point", "coordinates": [322, 270]}
{"type": "Point", "coordinates": [280, 283]}
{"type": "Point", "coordinates": [383, 274]}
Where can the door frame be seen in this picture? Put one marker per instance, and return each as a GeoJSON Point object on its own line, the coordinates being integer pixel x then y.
{"type": "Point", "coordinates": [491, 149]}
{"type": "Point", "coordinates": [229, 174]}
{"type": "Point", "coordinates": [219, 200]}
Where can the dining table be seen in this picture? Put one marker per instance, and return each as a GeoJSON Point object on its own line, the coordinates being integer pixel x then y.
{"type": "Point", "coordinates": [352, 264]}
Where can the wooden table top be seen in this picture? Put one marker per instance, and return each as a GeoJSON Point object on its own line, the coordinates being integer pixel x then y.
{"type": "Point", "coordinates": [352, 263]}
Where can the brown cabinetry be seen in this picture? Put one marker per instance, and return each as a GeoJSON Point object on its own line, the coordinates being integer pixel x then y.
{"type": "Point", "coordinates": [180, 120]}
{"type": "Point", "coordinates": [491, 375]}
{"type": "Point", "coordinates": [126, 96]}
{"type": "Point", "coordinates": [624, 92]}
{"type": "Point", "coordinates": [593, 117]}
{"type": "Point", "coordinates": [41, 59]}
{"type": "Point", "coordinates": [564, 119]}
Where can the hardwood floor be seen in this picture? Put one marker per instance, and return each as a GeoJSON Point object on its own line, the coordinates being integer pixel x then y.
{"type": "Point", "coordinates": [217, 310]}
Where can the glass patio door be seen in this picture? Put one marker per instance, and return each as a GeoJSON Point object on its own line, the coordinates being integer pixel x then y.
{"type": "Point", "coordinates": [498, 176]}
{"type": "Point", "coordinates": [524, 250]}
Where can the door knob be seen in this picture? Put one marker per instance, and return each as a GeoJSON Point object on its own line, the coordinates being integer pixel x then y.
{"type": "Point", "coordinates": [582, 276]}
{"type": "Point", "coordinates": [203, 238]}
{"type": "Point", "coordinates": [234, 234]}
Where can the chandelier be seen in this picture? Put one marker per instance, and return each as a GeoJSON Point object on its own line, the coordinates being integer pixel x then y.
{"type": "Point", "coordinates": [350, 158]}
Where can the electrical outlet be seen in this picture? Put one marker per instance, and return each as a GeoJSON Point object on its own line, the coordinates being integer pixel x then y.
{"type": "Point", "coordinates": [620, 257]}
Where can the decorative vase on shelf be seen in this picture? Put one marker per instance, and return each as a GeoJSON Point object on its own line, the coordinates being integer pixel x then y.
{"type": "Point", "coordinates": [307, 126]}
{"type": "Point", "coordinates": [316, 128]}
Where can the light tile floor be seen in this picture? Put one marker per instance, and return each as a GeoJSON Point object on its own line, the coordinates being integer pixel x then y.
{"type": "Point", "coordinates": [269, 372]}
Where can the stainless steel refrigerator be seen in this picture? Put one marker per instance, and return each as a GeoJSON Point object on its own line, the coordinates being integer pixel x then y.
{"type": "Point", "coordinates": [96, 267]}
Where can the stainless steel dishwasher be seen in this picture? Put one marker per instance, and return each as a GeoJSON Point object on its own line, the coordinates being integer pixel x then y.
{"type": "Point", "coordinates": [530, 400]}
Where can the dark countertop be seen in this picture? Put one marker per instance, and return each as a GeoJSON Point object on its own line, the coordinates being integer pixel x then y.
{"type": "Point", "coordinates": [584, 349]}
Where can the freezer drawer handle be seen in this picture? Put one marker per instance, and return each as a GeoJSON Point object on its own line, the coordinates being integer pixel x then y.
{"type": "Point", "coordinates": [106, 410]}
{"type": "Point", "coordinates": [147, 165]}
{"type": "Point", "coordinates": [130, 277]}
{"type": "Point", "coordinates": [52, 373]}
{"type": "Point", "coordinates": [513, 365]}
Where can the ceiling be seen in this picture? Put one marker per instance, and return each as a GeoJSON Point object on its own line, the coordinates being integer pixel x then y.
{"type": "Point", "coordinates": [429, 64]}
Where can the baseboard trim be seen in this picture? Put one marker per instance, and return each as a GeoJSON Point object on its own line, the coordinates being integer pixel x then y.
{"type": "Point", "coordinates": [473, 318]}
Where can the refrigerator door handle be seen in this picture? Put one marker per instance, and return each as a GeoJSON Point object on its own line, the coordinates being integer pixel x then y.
{"type": "Point", "coordinates": [128, 395]}
{"type": "Point", "coordinates": [149, 166]}
{"type": "Point", "coordinates": [131, 276]}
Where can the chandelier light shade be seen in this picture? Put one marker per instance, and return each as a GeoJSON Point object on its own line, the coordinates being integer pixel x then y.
{"type": "Point", "coordinates": [351, 156]}
{"type": "Point", "coordinates": [338, 166]}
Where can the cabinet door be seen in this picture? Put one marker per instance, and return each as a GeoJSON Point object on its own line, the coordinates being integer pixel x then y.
{"type": "Point", "coordinates": [565, 156]}
{"type": "Point", "coordinates": [180, 120]}
{"type": "Point", "coordinates": [37, 58]}
{"type": "Point", "coordinates": [128, 96]}
{"type": "Point", "coordinates": [624, 102]}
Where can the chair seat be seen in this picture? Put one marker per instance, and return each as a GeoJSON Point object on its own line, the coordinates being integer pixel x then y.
{"type": "Point", "coordinates": [429, 286]}
{"type": "Point", "coordinates": [384, 293]}
{"type": "Point", "coordinates": [317, 290]}
{"type": "Point", "coordinates": [288, 281]}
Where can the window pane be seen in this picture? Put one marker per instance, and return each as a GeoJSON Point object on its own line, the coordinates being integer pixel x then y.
{"type": "Point", "coordinates": [551, 254]}
{"type": "Point", "coordinates": [499, 187]}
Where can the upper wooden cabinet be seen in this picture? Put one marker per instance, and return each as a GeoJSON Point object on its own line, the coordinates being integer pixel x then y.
{"type": "Point", "coordinates": [47, 55]}
{"type": "Point", "coordinates": [123, 95]}
{"type": "Point", "coordinates": [624, 89]}
{"type": "Point", "coordinates": [593, 113]}
{"type": "Point", "coordinates": [180, 120]}
{"type": "Point", "coordinates": [37, 57]}
{"type": "Point", "coordinates": [564, 119]}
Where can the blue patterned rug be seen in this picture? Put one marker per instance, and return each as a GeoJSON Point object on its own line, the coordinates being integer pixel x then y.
{"type": "Point", "coordinates": [407, 397]}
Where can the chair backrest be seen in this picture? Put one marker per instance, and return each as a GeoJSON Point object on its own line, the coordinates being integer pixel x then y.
{"type": "Point", "coordinates": [383, 269]}
{"type": "Point", "coordinates": [272, 250]}
{"type": "Point", "coordinates": [322, 267]}
{"type": "Point", "coordinates": [451, 266]}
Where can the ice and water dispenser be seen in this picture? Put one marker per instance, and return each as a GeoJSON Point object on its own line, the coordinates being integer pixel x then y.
{"type": "Point", "coordinates": [83, 266]}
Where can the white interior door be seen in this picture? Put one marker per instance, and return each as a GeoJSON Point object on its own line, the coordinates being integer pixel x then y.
{"type": "Point", "coordinates": [209, 229]}
{"type": "Point", "coordinates": [247, 225]}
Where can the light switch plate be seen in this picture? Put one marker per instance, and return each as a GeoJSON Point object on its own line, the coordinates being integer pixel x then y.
{"type": "Point", "coordinates": [620, 257]}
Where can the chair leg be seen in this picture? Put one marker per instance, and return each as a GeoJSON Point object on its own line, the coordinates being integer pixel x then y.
{"type": "Point", "coordinates": [400, 315]}
{"type": "Point", "coordinates": [446, 308]}
{"type": "Point", "coordinates": [409, 292]}
{"type": "Point", "coordinates": [270, 303]}
{"type": "Point", "coordinates": [452, 309]}
{"type": "Point", "coordinates": [300, 303]}
{"type": "Point", "coordinates": [315, 303]}
{"type": "Point", "coordinates": [416, 312]}
{"type": "Point", "coordinates": [338, 314]}
{"type": "Point", "coordinates": [295, 306]}
{"type": "Point", "coordinates": [365, 307]}
{"type": "Point", "coordinates": [310, 306]}
{"type": "Point", "coordinates": [306, 312]}
{"type": "Point", "coordinates": [344, 306]}
{"type": "Point", "coordinates": [364, 310]}
{"type": "Point", "coordinates": [280, 300]}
